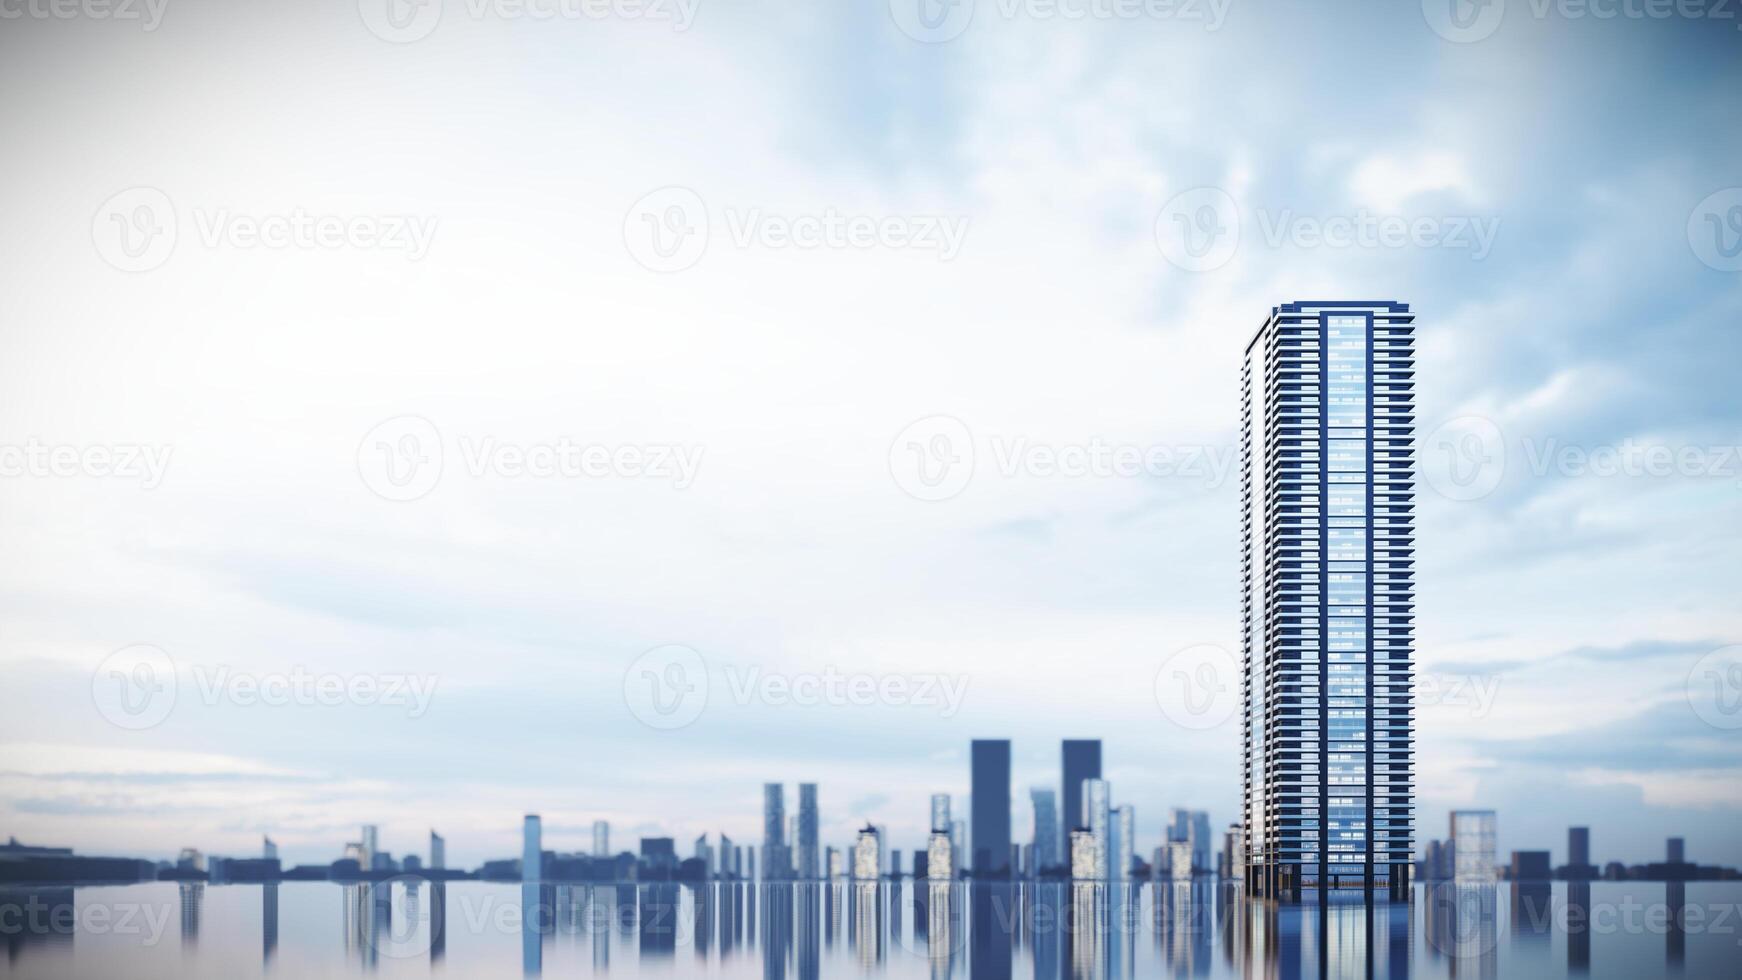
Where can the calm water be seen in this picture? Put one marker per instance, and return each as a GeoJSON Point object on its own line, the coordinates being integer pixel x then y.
{"type": "Point", "coordinates": [903, 929]}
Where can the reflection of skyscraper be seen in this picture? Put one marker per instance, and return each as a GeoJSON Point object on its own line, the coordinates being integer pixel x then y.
{"type": "Point", "coordinates": [268, 920]}
{"type": "Point", "coordinates": [808, 866]}
{"type": "Point", "coordinates": [1046, 830]}
{"type": "Point", "coordinates": [774, 866]}
{"type": "Point", "coordinates": [192, 894]}
{"type": "Point", "coordinates": [1081, 761]}
{"type": "Point", "coordinates": [531, 849]}
{"type": "Point", "coordinates": [990, 807]}
{"type": "Point", "coordinates": [1327, 574]}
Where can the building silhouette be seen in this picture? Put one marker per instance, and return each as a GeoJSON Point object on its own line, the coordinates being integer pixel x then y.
{"type": "Point", "coordinates": [1327, 609]}
{"type": "Point", "coordinates": [990, 807]}
{"type": "Point", "coordinates": [1080, 760]}
{"type": "Point", "coordinates": [809, 863]}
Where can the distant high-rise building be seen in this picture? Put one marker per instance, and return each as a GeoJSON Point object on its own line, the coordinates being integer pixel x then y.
{"type": "Point", "coordinates": [728, 858]}
{"type": "Point", "coordinates": [268, 850]}
{"type": "Point", "coordinates": [368, 846]}
{"type": "Point", "coordinates": [989, 812]}
{"type": "Point", "coordinates": [959, 844]}
{"type": "Point", "coordinates": [1098, 797]}
{"type": "Point", "coordinates": [773, 832]}
{"type": "Point", "coordinates": [868, 855]}
{"type": "Point", "coordinates": [1327, 574]}
{"type": "Point", "coordinates": [940, 812]}
{"type": "Point", "coordinates": [1193, 827]}
{"type": "Point", "coordinates": [531, 849]}
{"type": "Point", "coordinates": [1125, 837]}
{"type": "Point", "coordinates": [939, 861]}
{"type": "Point", "coordinates": [601, 839]}
{"type": "Point", "coordinates": [1180, 860]}
{"type": "Point", "coordinates": [1677, 851]}
{"type": "Point", "coordinates": [1233, 852]}
{"type": "Point", "coordinates": [1046, 830]}
{"type": "Point", "coordinates": [1530, 866]}
{"type": "Point", "coordinates": [808, 866]}
{"type": "Point", "coordinates": [1578, 846]}
{"type": "Point", "coordinates": [1473, 843]}
{"type": "Point", "coordinates": [1080, 761]}
{"type": "Point", "coordinates": [1085, 855]}
{"type": "Point", "coordinates": [704, 854]}
{"type": "Point", "coordinates": [438, 851]}
{"type": "Point", "coordinates": [836, 863]}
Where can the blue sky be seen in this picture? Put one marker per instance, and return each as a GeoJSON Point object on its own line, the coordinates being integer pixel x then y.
{"type": "Point", "coordinates": [1568, 615]}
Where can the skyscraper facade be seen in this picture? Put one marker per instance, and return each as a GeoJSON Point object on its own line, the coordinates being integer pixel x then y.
{"type": "Point", "coordinates": [1327, 608]}
{"type": "Point", "coordinates": [438, 851]}
{"type": "Point", "coordinates": [940, 812]}
{"type": "Point", "coordinates": [1046, 831]}
{"type": "Point", "coordinates": [990, 809]}
{"type": "Point", "coordinates": [808, 860]}
{"type": "Point", "coordinates": [1474, 838]}
{"type": "Point", "coordinates": [868, 855]}
{"type": "Point", "coordinates": [601, 839]}
{"type": "Point", "coordinates": [1125, 841]}
{"type": "Point", "coordinates": [370, 847]}
{"type": "Point", "coordinates": [531, 849]}
{"type": "Point", "coordinates": [1097, 802]}
{"type": "Point", "coordinates": [1081, 760]}
{"type": "Point", "coordinates": [773, 832]}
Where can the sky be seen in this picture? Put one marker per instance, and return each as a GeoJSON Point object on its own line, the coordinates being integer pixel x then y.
{"type": "Point", "coordinates": [426, 415]}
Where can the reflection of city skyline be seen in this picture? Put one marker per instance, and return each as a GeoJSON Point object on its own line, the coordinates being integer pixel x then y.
{"type": "Point", "coordinates": [808, 930]}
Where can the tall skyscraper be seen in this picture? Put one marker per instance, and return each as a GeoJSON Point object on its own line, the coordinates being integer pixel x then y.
{"type": "Point", "coordinates": [1327, 575]}
{"type": "Point", "coordinates": [1081, 760]}
{"type": "Point", "coordinates": [940, 812]}
{"type": "Point", "coordinates": [939, 862]}
{"type": "Point", "coordinates": [808, 861]}
{"type": "Point", "coordinates": [959, 844]}
{"type": "Point", "coordinates": [773, 832]}
{"type": "Point", "coordinates": [1677, 852]}
{"type": "Point", "coordinates": [1473, 846]}
{"type": "Point", "coordinates": [601, 839]}
{"type": "Point", "coordinates": [1579, 854]}
{"type": "Point", "coordinates": [370, 846]}
{"type": "Point", "coordinates": [438, 851]}
{"type": "Point", "coordinates": [268, 849]}
{"type": "Point", "coordinates": [990, 807]}
{"type": "Point", "coordinates": [531, 850]}
{"type": "Point", "coordinates": [1097, 804]}
{"type": "Point", "coordinates": [1192, 827]}
{"type": "Point", "coordinates": [1046, 830]}
{"type": "Point", "coordinates": [728, 858]}
{"type": "Point", "coordinates": [868, 855]}
{"type": "Point", "coordinates": [1125, 841]}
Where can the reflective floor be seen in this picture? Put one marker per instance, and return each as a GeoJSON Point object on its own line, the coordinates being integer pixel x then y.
{"type": "Point", "coordinates": [894, 929]}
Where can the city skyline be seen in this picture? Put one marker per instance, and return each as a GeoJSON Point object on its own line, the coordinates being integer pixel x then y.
{"type": "Point", "coordinates": [302, 470]}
